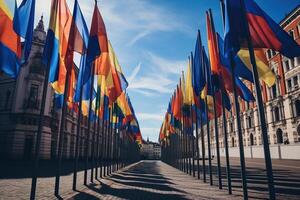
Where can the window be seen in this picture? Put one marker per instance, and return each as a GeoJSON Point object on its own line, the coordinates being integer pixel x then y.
{"type": "Point", "coordinates": [279, 136]}
{"type": "Point", "coordinates": [297, 108]}
{"type": "Point", "coordinates": [287, 65]}
{"type": "Point", "coordinates": [274, 91]}
{"type": "Point", "coordinates": [251, 140]}
{"type": "Point", "coordinates": [295, 79]}
{"type": "Point", "coordinates": [289, 84]}
{"type": "Point", "coordinates": [276, 114]}
{"type": "Point", "coordinates": [273, 53]}
{"type": "Point", "coordinates": [249, 122]}
{"type": "Point", "coordinates": [33, 96]}
{"type": "Point", "coordinates": [232, 142]}
{"type": "Point", "coordinates": [269, 53]}
{"type": "Point", "coordinates": [291, 33]}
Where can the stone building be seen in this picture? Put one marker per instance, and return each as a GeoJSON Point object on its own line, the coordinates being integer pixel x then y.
{"type": "Point", "coordinates": [150, 150]}
{"type": "Point", "coordinates": [282, 107]}
{"type": "Point", "coordinates": [20, 104]}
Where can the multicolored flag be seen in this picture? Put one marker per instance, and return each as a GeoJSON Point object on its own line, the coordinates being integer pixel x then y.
{"type": "Point", "coordinates": [10, 42]}
{"type": "Point", "coordinates": [241, 16]}
{"type": "Point", "coordinates": [23, 25]}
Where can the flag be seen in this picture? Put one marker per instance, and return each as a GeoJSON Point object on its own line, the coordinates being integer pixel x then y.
{"type": "Point", "coordinates": [84, 69]}
{"type": "Point", "coordinates": [122, 103]}
{"type": "Point", "coordinates": [95, 46]}
{"type": "Point", "coordinates": [198, 75]}
{"type": "Point", "coordinates": [264, 31]}
{"type": "Point", "coordinates": [189, 99]}
{"type": "Point", "coordinates": [115, 80]}
{"type": "Point", "coordinates": [23, 25]}
{"type": "Point", "coordinates": [265, 73]}
{"type": "Point", "coordinates": [10, 43]}
{"type": "Point", "coordinates": [178, 103]}
{"type": "Point", "coordinates": [56, 47]}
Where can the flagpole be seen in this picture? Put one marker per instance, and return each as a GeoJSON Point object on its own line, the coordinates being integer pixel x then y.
{"type": "Point", "coordinates": [203, 148]}
{"type": "Point", "coordinates": [93, 138]}
{"type": "Point", "coordinates": [217, 144]}
{"type": "Point", "coordinates": [228, 170]}
{"type": "Point", "coordinates": [193, 143]}
{"type": "Point", "coordinates": [98, 135]}
{"type": "Point", "coordinates": [226, 146]}
{"type": "Point", "coordinates": [216, 124]}
{"type": "Point", "coordinates": [78, 134]}
{"type": "Point", "coordinates": [97, 146]}
{"type": "Point", "coordinates": [61, 135]}
{"type": "Point", "coordinates": [87, 143]}
{"type": "Point", "coordinates": [239, 127]}
{"type": "Point", "coordinates": [261, 110]}
{"type": "Point", "coordinates": [39, 136]}
{"type": "Point", "coordinates": [102, 142]}
{"type": "Point", "coordinates": [208, 144]}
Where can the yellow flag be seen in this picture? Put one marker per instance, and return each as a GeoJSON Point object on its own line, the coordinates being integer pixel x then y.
{"type": "Point", "coordinates": [189, 98]}
{"type": "Point", "coordinates": [264, 71]}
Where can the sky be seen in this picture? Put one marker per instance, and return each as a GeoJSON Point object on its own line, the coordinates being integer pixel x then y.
{"type": "Point", "coordinates": [152, 40]}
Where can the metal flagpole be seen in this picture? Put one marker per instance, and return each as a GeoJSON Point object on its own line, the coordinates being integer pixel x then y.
{"type": "Point", "coordinates": [226, 147]}
{"type": "Point", "coordinates": [97, 142]}
{"type": "Point", "coordinates": [238, 120]}
{"type": "Point", "coordinates": [39, 136]}
{"type": "Point", "coordinates": [87, 143]}
{"type": "Point", "coordinates": [102, 142]}
{"type": "Point", "coordinates": [225, 122]}
{"type": "Point", "coordinates": [193, 144]}
{"type": "Point", "coordinates": [61, 134]}
{"type": "Point", "coordinates": [203, 149]}
{"type": "Point", "coordinates": [216, 124]}
{"type": "Point", "coordinates": [261, 110]}
{"type": "Point", "coordinates": [217, 144]}
{"type": "Point", "coordinates": [208, 145]}
{"type": "Point", "coordinates": [197, 145]}
{"type": "Point", "coordinates": [78, 134]}
{"type": "Point", "coordinates": [93, 138]}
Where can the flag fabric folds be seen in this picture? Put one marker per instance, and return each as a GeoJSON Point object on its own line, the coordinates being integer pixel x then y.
{"type": "Point", "coordinates": [10, 43]}
{"type": "Point", "coordinates": [23, 25]}
{"type": "Point", "coordinates": [264, 31]}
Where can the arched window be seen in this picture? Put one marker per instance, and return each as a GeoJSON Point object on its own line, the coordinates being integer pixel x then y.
{"type": "Point", "coordinates": [232, 142]}
{"type": "Point", "coordinates": [274, 91]}
{"type": "Point", "coordinates": [297, 107]}
{"type": "Point", "coordinates": [276, 114]}
{"type": "Point", "coordinates": [251, 140]}
{"type": "Point", "coordinates": [249, 122]}
{"type": "Point", "coordinates": [279, 136]}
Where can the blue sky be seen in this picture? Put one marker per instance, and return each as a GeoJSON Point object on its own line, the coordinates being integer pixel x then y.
{"type": "Point", "coordinates": [152, 40]}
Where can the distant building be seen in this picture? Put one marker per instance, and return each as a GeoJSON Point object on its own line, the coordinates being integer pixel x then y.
{"type": "Point", "coordinates": [150, 150]}
{"type": "Point", "coordinates": [282, 107]}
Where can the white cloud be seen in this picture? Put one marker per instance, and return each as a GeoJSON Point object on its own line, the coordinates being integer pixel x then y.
{"type": "Point", "coordinates": [134, 73]}
{"type": "Point", "coordinates": [167, 65]}
{"type": "Point", "coordinates": [150, 116]}
{"type": "Point", "coordinates": [151, 133]}
{"type": "Point", "coordinates": [152, 82]}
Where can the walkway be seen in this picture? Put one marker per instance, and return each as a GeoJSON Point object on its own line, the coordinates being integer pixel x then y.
{"type": "Point", "coordinates": [152, 180]}
{"type": "Point", "coordinates": [141, 181]}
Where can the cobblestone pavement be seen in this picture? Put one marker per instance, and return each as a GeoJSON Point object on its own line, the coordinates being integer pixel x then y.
{"type": "Point", "coordinates": [143, 180]}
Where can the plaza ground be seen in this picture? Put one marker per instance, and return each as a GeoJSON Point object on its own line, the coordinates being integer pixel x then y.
{"type": "Point", "coordinates": [150, 180]}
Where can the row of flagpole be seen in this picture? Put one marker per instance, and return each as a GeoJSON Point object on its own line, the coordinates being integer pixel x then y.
{"type": "Point", "coordinates": [222, 77]}
{"type": "Point", "coordinates": [109, 115]}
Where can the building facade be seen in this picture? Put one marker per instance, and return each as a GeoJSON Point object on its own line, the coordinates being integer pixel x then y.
{"type": "Point", "coordinates": [20, 104]}
{"type": "Point", "coordinates": [282, 107]}
{"type": "Point", "coordinates": [150, 150]}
